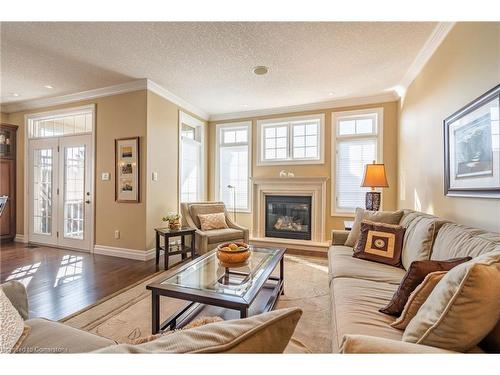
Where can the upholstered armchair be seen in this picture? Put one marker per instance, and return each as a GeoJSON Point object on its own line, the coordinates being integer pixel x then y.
{"type": "Point", "coordinates": [208, 240]}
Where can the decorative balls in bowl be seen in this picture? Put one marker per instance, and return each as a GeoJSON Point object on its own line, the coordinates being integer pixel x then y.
{"type": "Point", "coordinates": [233, 254]}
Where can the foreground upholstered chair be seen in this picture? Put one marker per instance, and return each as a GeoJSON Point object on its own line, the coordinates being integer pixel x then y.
{"type": "Point", "coordinates": [208, 240]}
{"type": "Point", "coordinates": [264, 333]}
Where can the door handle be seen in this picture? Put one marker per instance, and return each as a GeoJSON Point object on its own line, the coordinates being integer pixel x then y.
{"type": "Point", "coordinates": [87, 201]}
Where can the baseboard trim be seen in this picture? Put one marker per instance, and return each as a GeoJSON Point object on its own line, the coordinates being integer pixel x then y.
{"type": "Point", "coordinates": [122, 252]}
{"type": "Point", "coordinates": [20, 238]}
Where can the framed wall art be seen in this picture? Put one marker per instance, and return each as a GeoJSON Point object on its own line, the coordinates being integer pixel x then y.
{"type": "Point", "coordinates": [127, 181]}
{"type": "Point", "coordinates": [472, 148]}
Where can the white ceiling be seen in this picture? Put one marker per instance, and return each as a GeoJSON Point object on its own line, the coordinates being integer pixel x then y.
{"type": "Point", "coordinates": [210, 64]}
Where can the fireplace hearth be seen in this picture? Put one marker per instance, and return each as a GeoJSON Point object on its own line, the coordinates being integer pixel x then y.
{"type": "Point", "coordinates": [288, 216]}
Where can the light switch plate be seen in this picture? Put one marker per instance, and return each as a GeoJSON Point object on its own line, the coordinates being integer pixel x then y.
{"type": "Point", "coordinates": [155, 176]}
{"type": "Point", "coordinates": [105, 176]}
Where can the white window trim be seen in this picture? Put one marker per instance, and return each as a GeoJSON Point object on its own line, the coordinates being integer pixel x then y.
{"type": "Point", "coordinates": [189, 120]}
{"type": "Point", "coordinates": [218, 129]}
{"type": "Point", "coordinates": [334, 211]}
{"type": "Point", "coordinates": [260, 141]}
{"type": "Point", "coordinates": [59, 113]}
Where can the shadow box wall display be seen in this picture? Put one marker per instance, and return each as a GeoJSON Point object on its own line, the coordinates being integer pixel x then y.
{"type": "Point", "coordinates": [472, 148]}
{"type": "Point", "coordinates": [127, 170]}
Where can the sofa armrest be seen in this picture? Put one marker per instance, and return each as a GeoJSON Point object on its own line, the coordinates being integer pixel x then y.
{"type": "Point", "coordinates": [16, 293]}
{"type": "Point", "coordinates": [339, 237]}
{"type": "Point", "coordinates": [361, 344]}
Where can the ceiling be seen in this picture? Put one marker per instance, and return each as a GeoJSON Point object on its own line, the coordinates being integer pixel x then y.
{"type": "Point", "coordinates": [210, 64]}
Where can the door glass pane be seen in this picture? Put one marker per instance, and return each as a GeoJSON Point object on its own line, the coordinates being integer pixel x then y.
{"type": "Point", "coordinates": [74, 191]}
{"type": "Point", "coordinates": [42, 191]}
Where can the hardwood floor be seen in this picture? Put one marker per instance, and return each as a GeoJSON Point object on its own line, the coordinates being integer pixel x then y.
{"type": "Point", "coordinates": [61, 282]}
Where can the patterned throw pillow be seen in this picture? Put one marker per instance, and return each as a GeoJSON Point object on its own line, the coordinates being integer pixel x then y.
{"type": "Point", "coordinates": [380, 242]}
{"type": "Point", "coordinates": [213, 221]}
{"type": "Point", "coordinates": [417, 299]}
{"type": "Point", "coordinates": [413, 277]}
{"type": "Point", "coordinates": [13, 330]}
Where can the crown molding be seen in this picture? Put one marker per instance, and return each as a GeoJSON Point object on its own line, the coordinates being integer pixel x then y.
{"type": "Point", "coordinates": [139, 84]}
{"type": "Point", "coordinates": [430, 46]}
{"type": "Point", "coordinates": [163, 92]}
{"type": "Point", "coordinates": [389, 96]}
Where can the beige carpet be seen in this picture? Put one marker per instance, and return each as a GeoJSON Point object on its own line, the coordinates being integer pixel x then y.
{"type": "Point", "coordinates": [126, 315]}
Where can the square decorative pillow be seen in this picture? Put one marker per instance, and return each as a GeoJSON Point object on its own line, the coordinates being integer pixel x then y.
{"type": "Point", "coordinates": [213, 221]}
{"type": "Point", "coordinates": [463, 308]}
{"type": "Point", "coordinates": [13, 329]}
{"type": "Point", "coordinates": [417, 299]}
{"type": "Point", "coordinates": [380, 243]}
{"type": "Point", "coordinates": [386, 217]}
{"type": "Point", "coordinates": [413, 277]}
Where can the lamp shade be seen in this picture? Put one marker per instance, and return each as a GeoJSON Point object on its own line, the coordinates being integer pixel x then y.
{"type": "Point", "coordinates": [374, 176]}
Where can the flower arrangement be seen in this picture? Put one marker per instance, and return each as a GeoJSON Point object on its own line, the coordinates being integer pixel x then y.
{"type": "Point", "coordinates": [173, 219]}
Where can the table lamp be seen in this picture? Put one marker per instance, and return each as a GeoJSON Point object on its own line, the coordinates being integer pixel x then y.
{"type": "Point", "coordinates": [374, 177]}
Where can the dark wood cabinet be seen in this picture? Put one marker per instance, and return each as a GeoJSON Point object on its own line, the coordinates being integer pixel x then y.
{"type": "Point", "coordinates": [8, 181]}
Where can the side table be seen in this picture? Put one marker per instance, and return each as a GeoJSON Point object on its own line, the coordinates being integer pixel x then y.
{"type": "Point", "coordinates": [170, 250]}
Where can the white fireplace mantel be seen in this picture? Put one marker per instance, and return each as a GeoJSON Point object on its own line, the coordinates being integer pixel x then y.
{"type": "Point", "coordinates": [315, 187]}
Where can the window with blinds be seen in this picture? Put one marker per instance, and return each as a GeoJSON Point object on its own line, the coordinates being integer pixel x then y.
{"type": "Point", "coordinates": [357, 142]}
{"type": "Point", "coordinates": [294, 140]}
{"type": "Point", "coordinates": [191, 159]}
{"type": "Point", "coordinates": [70, 122]}
{"type": "Point", "coordinates": [233, 165]}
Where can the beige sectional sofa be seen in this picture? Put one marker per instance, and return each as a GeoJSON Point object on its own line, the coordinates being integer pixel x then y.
{"type": "Point", "coordinates": [359, 287]}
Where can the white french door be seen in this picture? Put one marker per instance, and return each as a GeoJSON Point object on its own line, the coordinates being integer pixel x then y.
{"type": "Point", "coordinates": [60, 191]}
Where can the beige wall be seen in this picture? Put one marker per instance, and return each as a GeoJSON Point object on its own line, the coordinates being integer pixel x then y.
{"type": "Point", "coordinates": [4, 117]}
{"type": "Point", "coordinates": [466, 65]}
{"type": "Point", "coordinates": [319, 170]}
{"type": "Point", "coordinates": [117, 116]}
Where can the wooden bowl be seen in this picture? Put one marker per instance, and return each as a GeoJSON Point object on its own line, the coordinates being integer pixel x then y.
{"type": "Point", "coordinates": [233, 258]}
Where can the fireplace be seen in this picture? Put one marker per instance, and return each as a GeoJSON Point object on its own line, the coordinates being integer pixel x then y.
{"type": "Point", "coordinates": [288, 216]}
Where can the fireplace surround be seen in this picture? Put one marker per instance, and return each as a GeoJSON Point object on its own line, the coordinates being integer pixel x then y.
{"type": "Point", "coordinates": [312, 187]}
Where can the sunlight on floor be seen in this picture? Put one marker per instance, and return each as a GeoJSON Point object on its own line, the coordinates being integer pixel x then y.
{"type": "Point", "coordinates": [24, 274]}
{"type": "Point", "coordinates": [305, 262]}
{"type": "Point", "coordinates": [70, 270]}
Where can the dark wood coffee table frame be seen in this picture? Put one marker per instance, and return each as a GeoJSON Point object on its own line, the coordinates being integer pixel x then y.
{"type": "Point", "coordinates": [198, 297]}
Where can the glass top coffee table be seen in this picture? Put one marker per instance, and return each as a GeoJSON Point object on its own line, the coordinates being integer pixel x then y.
{"type": "Point", "coordinates": [204, 281]}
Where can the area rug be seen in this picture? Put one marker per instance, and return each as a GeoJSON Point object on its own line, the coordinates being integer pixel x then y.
{"type": "Point", "coordinates": [126, 315]}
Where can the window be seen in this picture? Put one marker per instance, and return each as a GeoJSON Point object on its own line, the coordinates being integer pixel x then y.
{"type": "Point", "coordinates": [296, 140]}
{"type": "Point", "coordinates": [356, 141]}
{"type": "Point", "coordinates": [233, 165]}
{"type": "Point", "coordinates": [60, 123]}
{"type": "Point", "coordinates": [191, 158]}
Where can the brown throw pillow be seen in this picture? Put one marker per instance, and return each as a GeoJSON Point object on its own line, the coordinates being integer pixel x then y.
{"type": "Point", "coordinates": [380, 243]}
{"type": "Point", "coordinates": [413, 277]}
{"type": "Point", "coordinates": [417, 299]}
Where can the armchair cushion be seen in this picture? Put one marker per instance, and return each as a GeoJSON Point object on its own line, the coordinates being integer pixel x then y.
{"type": "Point", "coordinates": [196, 209]}
{"type": "Point", "coordinates": [16, 293]}
{"type": "Point", "coordinates": [222, 235]}
{"type": "Point", "coordinates": [213, 221]}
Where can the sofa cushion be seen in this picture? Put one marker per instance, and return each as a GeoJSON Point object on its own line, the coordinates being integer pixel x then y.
{"type": "Point", "coordinates": [413, 277]}
{"type": "Point", "coordinates": [342, 264]}
{"type": "Point", "coordinates": [462, 309]}
{"type": "Point", "coordinates": [421, 231]}
{"type": "Point", "coordinates": [380, 243]}
{"type": "Point", "coordinates": [387, 217]}
{"type": "Point", "coordinates": [454, 240]}
{"type": "Point", "coordinates": [222, 235]}
{"type": "Point", "coordinates": [196, 209]}
{"type": "Point", "coordinates": [12, 325]}
{"type": "Point", "coordinates": [47, 336]}
{"type": "Point", "coordinates": [355, 309]}
{"type": "Point", "coordinates": [263, 333]}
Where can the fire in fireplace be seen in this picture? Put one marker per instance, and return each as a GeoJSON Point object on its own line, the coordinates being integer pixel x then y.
{"type": "Point", "coordinates": [288, 216]}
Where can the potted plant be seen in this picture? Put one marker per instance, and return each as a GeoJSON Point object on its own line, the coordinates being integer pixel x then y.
{"type": "Point", "coordinates": [174, 220]}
